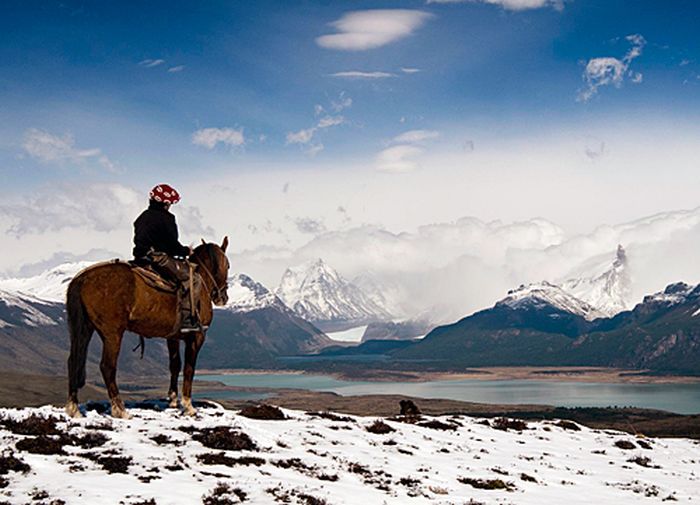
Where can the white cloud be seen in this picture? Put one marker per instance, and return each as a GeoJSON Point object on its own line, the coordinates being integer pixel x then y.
{"type": "Point", "coordinates": [398, 159]}
{"type": "Point", "coordinates": [369, 29]}
{"type": "Point", "coordinates": [605, 71]}
{"type": "Point", "coordinates": [176, 68]}
{"type": "Point", "coordinates": [357, 74]}
{"type": "Point", "coordinates": [49, 148]}
{"type": "Point", "coordinates": [414, 136]}
{"type": "Point", "coordinates": [306, 135]}
{"type": "Point", "coordinates": [343, 102]}
{"type": "Point", "coordinates": [210, 137]}
{"type": "Point", "coordinates": [515, 5]}
{"type": "Point", "coordinates": [149, 63]}
{"type": "Point", "coordinates": [410, 70]}
{"type": "Point", "coordinates": [301, 136]}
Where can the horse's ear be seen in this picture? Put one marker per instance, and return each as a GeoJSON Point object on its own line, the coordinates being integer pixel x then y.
{"type": "Point", "coordinates": [224, 244]}
{"type": "Point", "coordinates": [203, 242]}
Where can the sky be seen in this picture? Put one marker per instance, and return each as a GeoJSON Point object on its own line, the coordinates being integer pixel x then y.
{"type": "Point", "coordinates": [416, 140]}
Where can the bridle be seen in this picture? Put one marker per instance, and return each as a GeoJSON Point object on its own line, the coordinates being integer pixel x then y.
{"type": "Point", "coordinates": [217, 291]}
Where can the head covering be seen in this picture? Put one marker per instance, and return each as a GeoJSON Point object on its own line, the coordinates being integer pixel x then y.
{"type": "Point", "coordinates": [164, 194]}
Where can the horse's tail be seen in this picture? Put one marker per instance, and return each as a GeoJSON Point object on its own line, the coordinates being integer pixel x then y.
{"type": "Point", "coordinates": [81, 329]}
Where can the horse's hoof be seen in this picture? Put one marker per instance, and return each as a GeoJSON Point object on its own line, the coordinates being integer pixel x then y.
{"type": "Point", "coordinates": [173, 400]}
{"type": "Point", "coordinates": [191, 412]}
{"type": "Point", "coordinates": [72, 410]}
{"type": "Point", "coordinates": [120, 414]}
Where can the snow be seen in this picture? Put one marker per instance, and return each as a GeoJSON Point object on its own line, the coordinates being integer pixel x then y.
{"type": "Point", "coordinates": [609, 290]}
{"type": "Point", "coordinates": [318, 293]}
{"type": "Point", "coordinates": [545, 293]}
{"type": "Point", "coordinates": [50, 285]}
{"type": "Point", "coordinates": [246, 295]}
{"type": "Point", "coordinates": [27, 306]}
{"type": "Point", "coordinates": [545, 464]}
{"type": "Point", "coordinates": [350, 335]}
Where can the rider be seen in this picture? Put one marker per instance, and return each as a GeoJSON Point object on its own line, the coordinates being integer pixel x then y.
{"type": "Point", "coordinates": [156, 243]}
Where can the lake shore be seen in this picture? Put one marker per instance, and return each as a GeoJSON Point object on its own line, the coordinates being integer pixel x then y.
{"type": "Point", "coordinates": [554, 373]}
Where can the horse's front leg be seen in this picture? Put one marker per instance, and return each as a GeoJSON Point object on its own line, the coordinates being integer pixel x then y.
{"type": "Point", "coordinates": [175, 366]}
{"type": "Point", "coordinates": [111, 344]}
{"type": "Point", "coordinates": [193, 344]}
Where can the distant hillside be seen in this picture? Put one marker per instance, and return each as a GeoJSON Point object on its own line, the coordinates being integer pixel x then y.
{"type": "Point", "coordinates": [532, 327]}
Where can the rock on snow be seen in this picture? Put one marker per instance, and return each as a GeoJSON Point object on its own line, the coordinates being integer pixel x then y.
{"type": "Point", "coordinates": [162, 457]}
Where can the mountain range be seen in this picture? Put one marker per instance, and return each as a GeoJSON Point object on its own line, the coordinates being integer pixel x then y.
{"type": "Point", "coordinates": [538, 326]}
{"type": "Point", "coordinates": [322, 296]}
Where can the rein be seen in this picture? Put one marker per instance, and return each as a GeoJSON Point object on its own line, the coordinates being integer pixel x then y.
{"type": "Point", "coordinates": [216, 289]}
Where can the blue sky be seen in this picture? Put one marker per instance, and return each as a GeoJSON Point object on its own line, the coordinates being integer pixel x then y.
{"type": "Point", "coordinates": [73, 68]}
{"type": "Point", "coordinates": [303, 128]}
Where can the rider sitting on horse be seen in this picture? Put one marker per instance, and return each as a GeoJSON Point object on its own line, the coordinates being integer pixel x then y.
{"type": "Point", "coordinates": [156, 243]}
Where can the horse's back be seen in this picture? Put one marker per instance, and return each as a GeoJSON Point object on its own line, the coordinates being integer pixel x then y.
{"type": "Point", "coordinates": [106, 289]}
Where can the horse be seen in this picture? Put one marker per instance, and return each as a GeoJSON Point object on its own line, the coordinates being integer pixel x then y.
{"type": "Point", "coordinates": [111, 298]}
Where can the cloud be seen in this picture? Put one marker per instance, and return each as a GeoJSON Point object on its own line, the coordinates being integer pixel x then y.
{"type": "Point", "coordinates": [414, 136]}
{"type": "Point", "coordinates": [343, 102]}
{"type": "Point", "coordinates": [309, 225]}
{"type": "Point", "coordinates": [605, 71]}
{"type": "Point", "coordinates": [45, 147]}
{"type": "Point", "coordinates": [514, 5]}
{"type": "Point", "coordinates": [176, 68]}
{"type": "Point", "coordinates": [210, 137]}
{"type": "Point", "coordinates": [398, 159]}
{"type": "Point", "coordinates": [100, 207]}
{"type": "Point", "coordinates": [369, 29]}
{"type": "Point", "coordinates": [357, 74]}
{"type": "Point", "coordinates": [450, 269]}
{"type": "Point", "coordinates": [410, 70]}
{"type": "Point", "coordinates": [301, 136]}
{"type": "Point", "coordinates": [148, 63]}
{"type": "Point", "coordinates": [306, 135]}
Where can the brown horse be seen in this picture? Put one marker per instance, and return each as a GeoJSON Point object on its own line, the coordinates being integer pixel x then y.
{"type": "Point", "coordinates": [110, 298]}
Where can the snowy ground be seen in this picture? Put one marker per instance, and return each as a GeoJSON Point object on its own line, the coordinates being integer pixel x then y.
{"type": "Point", "coordinates": [161, 457]}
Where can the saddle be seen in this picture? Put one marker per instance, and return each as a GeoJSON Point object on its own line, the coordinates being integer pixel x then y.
{"type": "Point", "coordinates": [153, 279]}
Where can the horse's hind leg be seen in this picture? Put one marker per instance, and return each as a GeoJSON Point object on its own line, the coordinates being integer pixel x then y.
{"type": "Point", "coordinates": [111, 344]}
{"type": "Point", "coordinates": [192, 346]}
{"type": "Point", "coordinates": [175, 366]}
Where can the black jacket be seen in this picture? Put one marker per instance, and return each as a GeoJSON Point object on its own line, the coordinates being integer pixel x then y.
{"type": "Point", "coordinates": [156, 228]}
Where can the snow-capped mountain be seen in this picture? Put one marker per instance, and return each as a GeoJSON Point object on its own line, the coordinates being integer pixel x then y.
{"type": "Point", "coordinates": [246, 295]}
{"type": "Point", "coordinates": [544, 294]}
{"type": "Point", "coordinates": [50, 285]}
{"type": "Point", "coordinates": [320, 294]}
{"type": "Point", "coordinates": [386, 295]}
{"type": "Point", "coordinates": [22, 310]}
{"type": "Point", "coordinates": [608, 291]}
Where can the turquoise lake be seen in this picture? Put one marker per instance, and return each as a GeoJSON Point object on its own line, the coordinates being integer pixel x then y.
{"type": "Point", "coordinates": [680, 398]}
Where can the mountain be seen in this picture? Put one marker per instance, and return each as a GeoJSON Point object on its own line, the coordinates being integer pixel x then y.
{"type": "Point", "coordinates": [50, 285]}
{"type": "Point", "coordinates": [609, 290]}
{"type": "Point", "coordinates": [546, 296]}
{"type": "Point", "coordinates": [255, 328]}
{"type": "Point", "coordinates": [321, 295]}
{"type": "Point", "coordinates": [34, 338]}
{"type": "Point", "coordinates": [662, 333]}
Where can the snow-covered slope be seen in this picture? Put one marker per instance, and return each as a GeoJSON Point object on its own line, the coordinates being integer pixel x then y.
{"type": "Point", "coordinates": [320, 294]}
{"type": "Point", "coordinates": [50, 285]}
{"type": "Point", "coordinates": [23, 310]}
{"type": "Point", "coordinates": [608, 291]}
{"type": "Point", "coordinates": [165, 458]}
{"type": "Point", "coordinates": [246, 295]}
{"type": "Point", "coordinates": [546, 294]}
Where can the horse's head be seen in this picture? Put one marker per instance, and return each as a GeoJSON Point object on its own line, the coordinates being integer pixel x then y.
{"type": "Point", "coordinates": [213, 266]}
